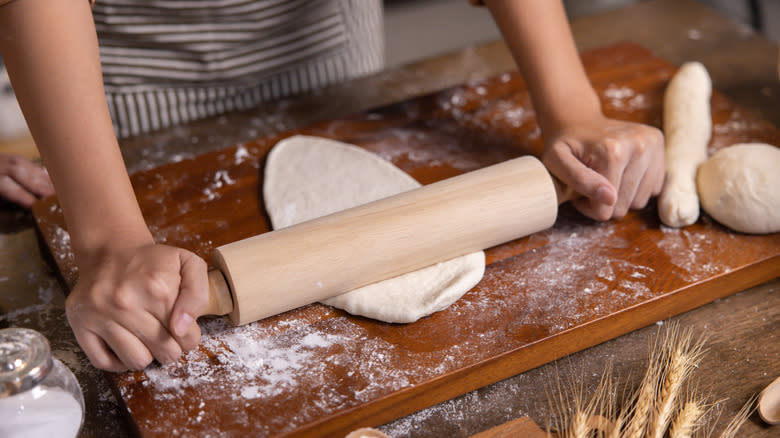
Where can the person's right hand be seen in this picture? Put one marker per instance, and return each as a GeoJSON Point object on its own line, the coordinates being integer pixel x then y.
{"type": "Point", "coordinates": [133, 305]}
{"type": "Point", "coordinates": [22, 181]}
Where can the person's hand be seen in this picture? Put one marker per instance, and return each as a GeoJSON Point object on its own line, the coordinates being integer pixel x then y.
{"type": "Point", "coordinates": [614, 165]}
{"type": "Point", "coordinates": [134, 305]}
{"type": "Point", "coordinates": [22, 181]}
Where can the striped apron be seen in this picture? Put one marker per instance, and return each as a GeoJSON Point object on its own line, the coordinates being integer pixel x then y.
{"type": "Point", "coordinates": [167, 62]}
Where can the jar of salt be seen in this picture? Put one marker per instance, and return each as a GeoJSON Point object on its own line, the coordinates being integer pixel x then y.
{"type": "Point", "coordinates": [39, 396]}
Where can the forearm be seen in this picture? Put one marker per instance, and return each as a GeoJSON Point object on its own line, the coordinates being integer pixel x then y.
{"type": "Point", "coordinates": [51, 51]}
{"type": "Point", "coordinates": [540, 40]}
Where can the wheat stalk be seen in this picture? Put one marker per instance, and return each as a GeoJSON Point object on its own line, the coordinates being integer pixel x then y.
{"type": "Point", "coordinates": [682, 356]}
{"type": "Point", "coordinates": [559, 407]}
{"type": "Point", "coordinates": [747, 409]}
{"type": "Point", "coordinates": [644, 397]}
{"type": "Point", "coordinates": [617, 426]}
{"type": "Point", "coordinates": [577, 418]}
{"type": "Point", "coordinates": [643, 404]}
{"type": "Point", "coordinates": [619, 412]}
{"type": "Point", "coordinates": [654, 407]}
{"type": "Point", "coordinates": [687, 420]}
{"type": "Point", "coordinates": [579, 427]}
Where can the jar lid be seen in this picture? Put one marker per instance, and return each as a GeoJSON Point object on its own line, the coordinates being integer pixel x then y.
{"type": "Point", "coordinates": [25, 360]}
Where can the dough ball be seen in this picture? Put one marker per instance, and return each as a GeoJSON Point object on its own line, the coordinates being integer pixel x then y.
{"type": "Point", "coordinates": [308, 177]}
{"type": "Point", "coordinates": [739, 186]}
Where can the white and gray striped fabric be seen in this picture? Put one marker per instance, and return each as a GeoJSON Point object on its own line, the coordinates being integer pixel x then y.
{"type": "Point", "coordinates": [172, 61]}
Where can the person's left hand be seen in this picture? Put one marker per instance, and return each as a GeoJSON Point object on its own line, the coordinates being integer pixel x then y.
{"type": "Point", "coordinates": [614, 165]}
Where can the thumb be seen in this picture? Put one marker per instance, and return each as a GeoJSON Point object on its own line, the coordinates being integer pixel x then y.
{"type": "Point", "coordinates": [193, 293]}
{"type": "Point", "coordinates": [562, 163]}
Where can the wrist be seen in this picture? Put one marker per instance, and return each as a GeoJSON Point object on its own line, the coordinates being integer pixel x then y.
{"type": "Point", "coordinates": [557, 114]}
{"type": "Point", "coordinates": [91, 247]}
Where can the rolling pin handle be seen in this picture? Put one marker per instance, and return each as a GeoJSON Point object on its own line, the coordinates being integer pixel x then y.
{"type": "Point", "coordinates": [220, 300]}
{"type": "Point", "coordinates": [563, 192]}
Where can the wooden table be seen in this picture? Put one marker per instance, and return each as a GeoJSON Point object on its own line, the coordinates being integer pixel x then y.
{"type": "Point", "coordinates": [744, 351]}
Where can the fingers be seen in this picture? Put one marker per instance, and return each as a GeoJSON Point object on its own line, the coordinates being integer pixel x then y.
{"type": "Point", "coordinates": [591, 170]}
{"type": "Point", "coordinates": [612, 157]}
{"type": "Point", "coordinates": [33, 178]}
{"type": "Point", "coordinates": [651, 184]}
{"type": "Point", "coordinates": [127, 346]}
{"type": "Point", "coordinates": [131, 341]}
{"type": "Point", "coordinates": [629, 185]}
{"type": "Point", "coordinates": [615, 166]}
{"type": "Point", "coordinates": [575, 174]}
{"type": "Point", "coordinates": [98, 352]}
{"type": "Point", "coordinates": [192, 299]}
{"type": "Point", "coordinates": [14, 192]}
{"type": "Point", "coordinates": [120, 310]}
{"type": "Point", "coordinates": [649, 163]}
{"type": "Point", "coordinates": [153, 334]}
{"type": "Point", "coordinates": [22, 181]}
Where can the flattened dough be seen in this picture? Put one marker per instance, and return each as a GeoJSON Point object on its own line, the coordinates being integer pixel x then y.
{"type": "Point", "coordinates": [739, 186]}
{"type": "Point", "coordinates": [308, 177]}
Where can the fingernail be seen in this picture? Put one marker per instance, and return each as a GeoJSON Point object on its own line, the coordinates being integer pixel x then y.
{"type": "Point", "coordinates": [183, 324]}
{"type": "Point", "coordinates": [604, 195]}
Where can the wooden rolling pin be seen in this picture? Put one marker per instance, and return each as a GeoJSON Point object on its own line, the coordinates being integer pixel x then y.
{"type": "Point", "coordinates": [284, 269]}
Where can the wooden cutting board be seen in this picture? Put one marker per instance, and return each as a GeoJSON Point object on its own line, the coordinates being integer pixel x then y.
{"type": "Point", "coordinates": [316, 371]}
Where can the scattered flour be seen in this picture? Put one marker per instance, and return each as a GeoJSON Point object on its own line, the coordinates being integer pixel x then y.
{"type": "Point", "coordinates": [738, 128]}
{"type": "Point", "coordinates": [490, 402]}
{"type": "Point", "coordinates": [696, 254]}
{"type": "Point", "coordinates": [221, 178]}
{"type": "Point", "coordinates": [241, 154]}
{"type": "Point", "coordinates": [421, 149]}
{"type": "Point", "coordinates": [280, 363]}
{"type": "Point", "coordinates": [624, 98]}
{"type": "Point", "coordinates": [554, 285]}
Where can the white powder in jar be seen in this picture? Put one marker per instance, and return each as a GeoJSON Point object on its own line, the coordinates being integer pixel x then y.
{"type": "Point", "coordinates": [41, 412]}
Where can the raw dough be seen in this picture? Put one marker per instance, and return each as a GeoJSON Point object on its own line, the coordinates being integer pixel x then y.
{"type": "Point", "coordinates": [308, 177]}
{"type": "Point", "coordinates": [687, 128]}
{"type": "Point", "coordinates": [739, 186]}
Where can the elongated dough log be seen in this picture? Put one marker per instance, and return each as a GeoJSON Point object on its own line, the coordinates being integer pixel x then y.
{"type": "Point", "coordinates": [687, 128]}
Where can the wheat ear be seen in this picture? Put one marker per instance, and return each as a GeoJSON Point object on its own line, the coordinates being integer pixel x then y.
{"type": "Point", "coordinates": [687, 420]}
{"type": "Point", "coordinates": [644, 398]}
{"type": "Point", "coordinates": [683, 356]}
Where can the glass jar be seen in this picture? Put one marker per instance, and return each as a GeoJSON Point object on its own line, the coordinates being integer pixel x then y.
{"type": "Point", "coordinates": [39, 396]}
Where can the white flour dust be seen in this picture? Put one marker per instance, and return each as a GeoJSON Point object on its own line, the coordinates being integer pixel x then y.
{"type": "Point", "coordinates": [491, 401]}
{"type": "Point", "coordinates": [625, 98]}
{"type": "Point", "coordinates": [241, 154]}
{"type": "Point", "coordinates": [735, 129]}
{"type": "Point", "coordinates": [693, 253]}
{"type": "Point", "coordinates": [410, 144]}
{"type": "Point", "coordinates": [279, 364]}
{"type": "Point", "coordinates": [220, 179]}
{"type": "Point", "coordinates": [566, 281]}
{"type": "Point", "coordinates": [41, 311]}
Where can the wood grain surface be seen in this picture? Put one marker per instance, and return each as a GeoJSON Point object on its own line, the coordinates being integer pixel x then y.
{"type": "Point", "coordinates": [316, 371]}
{"type": "Point", "coordinates": [519, 427]}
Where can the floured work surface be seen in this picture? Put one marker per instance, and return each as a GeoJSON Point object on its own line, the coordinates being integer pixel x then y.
{"type": "Point", "coordinates": [318, 371]}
